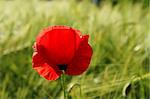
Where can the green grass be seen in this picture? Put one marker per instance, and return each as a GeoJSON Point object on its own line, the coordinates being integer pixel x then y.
{"type": "Point", "coordinates": [119, 36]}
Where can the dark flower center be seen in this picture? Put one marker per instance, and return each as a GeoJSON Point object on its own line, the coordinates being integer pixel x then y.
{"type": "Point", "coordinates": [62, 66]}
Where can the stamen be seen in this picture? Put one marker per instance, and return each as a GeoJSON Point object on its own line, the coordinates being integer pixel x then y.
{"type": "Point", "coordinates": [62, 67]}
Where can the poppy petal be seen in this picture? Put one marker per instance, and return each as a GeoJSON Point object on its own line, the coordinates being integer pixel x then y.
{"type": "Point", "coordinates": [44, 69]}
{"type": "Point", "coordinates": [58, 44]}
{"type": "Point", "coordinates": [81, 59]}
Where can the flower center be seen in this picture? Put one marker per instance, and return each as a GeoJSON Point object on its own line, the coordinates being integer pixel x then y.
{"type": "Point", "coordinates": [62, 66]}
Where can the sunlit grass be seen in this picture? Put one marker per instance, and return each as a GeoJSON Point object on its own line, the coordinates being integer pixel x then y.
{"type": "Point", "coordinates": [119, 35]}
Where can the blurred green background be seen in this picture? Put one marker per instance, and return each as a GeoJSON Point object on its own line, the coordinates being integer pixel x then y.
{"type": "Point", "coordinates": [119, 35]}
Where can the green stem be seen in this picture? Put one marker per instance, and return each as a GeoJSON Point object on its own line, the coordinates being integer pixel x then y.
{"type": "Point", "coordinates": [63, 85]}
{"type": "Point", "coordinates": [80, 92]}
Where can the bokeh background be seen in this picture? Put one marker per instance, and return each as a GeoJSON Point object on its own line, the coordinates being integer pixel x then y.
{"type": "Point", "coordinates": [119, 35]}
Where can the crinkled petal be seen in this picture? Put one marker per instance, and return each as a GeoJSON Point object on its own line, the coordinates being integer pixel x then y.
{"type": "Point", "coordinates": [44, 69]}
{"type": "Point", "coordinates": [82, 58]}
{"type": "Point", "coordinates": [58, 44]}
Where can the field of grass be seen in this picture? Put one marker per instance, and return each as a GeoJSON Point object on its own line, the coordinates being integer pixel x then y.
{"type": "Point", "coordinates": [119, 36]}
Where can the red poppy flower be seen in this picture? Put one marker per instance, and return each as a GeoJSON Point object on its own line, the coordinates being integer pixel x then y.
{"type": "Point", "coordinates": [60, 48]}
